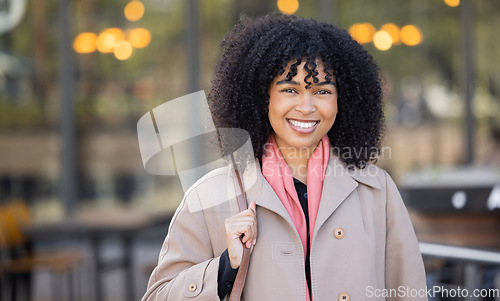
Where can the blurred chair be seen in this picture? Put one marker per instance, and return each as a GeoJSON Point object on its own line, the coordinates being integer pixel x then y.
{"type": "Point", "coordinates": [19, 260]}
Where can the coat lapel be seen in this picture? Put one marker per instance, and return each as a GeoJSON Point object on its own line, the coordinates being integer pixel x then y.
{"type": "Point", "coordinates": [269, 200]}
{"type": "Point", "coordinates": [339, 183]}
{"type": "Point", "coordinates": [336, 188]}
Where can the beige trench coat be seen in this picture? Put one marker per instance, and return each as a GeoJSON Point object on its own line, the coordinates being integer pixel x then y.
{"type": "Point", "coordinates": [376, 256]}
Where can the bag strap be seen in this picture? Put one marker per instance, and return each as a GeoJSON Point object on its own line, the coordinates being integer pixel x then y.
{"type": "Point", "coordinates": [239, 282]}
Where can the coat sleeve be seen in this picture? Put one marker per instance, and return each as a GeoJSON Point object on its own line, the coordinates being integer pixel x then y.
{"type": "Point", "coordinates": [187, 268]}
{"type": "Point", "coordinates": [404, 268]}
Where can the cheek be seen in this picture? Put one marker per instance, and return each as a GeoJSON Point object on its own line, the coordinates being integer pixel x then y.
{"type": "Point", "coordinates": [273, 114]}
{"type": "Point", "coordinates": [329, 111]}
{"type": "Point", "coordinates": [277, 109]}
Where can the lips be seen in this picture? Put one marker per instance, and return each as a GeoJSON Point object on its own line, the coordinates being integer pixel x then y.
{"type": "Point", "coordinates": [303, 126]}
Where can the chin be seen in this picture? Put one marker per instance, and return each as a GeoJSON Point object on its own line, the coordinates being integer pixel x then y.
{"type": "Point", "coordinates": [304, 144]}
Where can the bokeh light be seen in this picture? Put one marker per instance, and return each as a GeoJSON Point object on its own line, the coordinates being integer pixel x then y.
{"type": "Point", "coordinates": [139, 37]}
{"type": "Point", "coordinates": [382, 40]}
{"type": "Point", "coordinates": [85, 42]}
{"type": "Point", "coordinates": [288, 6]}
{"type": "Point", "coordinates": [411, 35]}
{"type": "Point", "coordinates": [117, 33]}
{"type": "Point", "coordinates": [105, 42]}
{"type": "Point", "coordinates": [362, 32]}
{"type": "Point", "coordinates": [134, 10]}
{"type": "Point", "coordinates": [452, 3]}
{"type": "Point", "coordinates": [123, 50]}
{"type": "Point", "coordinates": [108, 38]}
{"type": "Point", "coordinates": [393, 30]}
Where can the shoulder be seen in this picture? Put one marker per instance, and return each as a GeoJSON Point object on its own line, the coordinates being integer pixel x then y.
{"type": "Point", "coordinates": [380, 190]}
{"type": "Point", "coordinates": [371, 175]}
{"type": "Point", "coordinates": [377, 178]}
{"type": "Point", "coordinates": [208, 191]}
{"type": "Point", "coordinates": [215, 176]}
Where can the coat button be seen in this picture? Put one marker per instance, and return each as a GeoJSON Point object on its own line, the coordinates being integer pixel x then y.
{"type": "Point", "coordinates": [339, 233]}
{"type": "Point", "coordinates": [192, 287]}
{"type": "Point", "coordinates": [344, 297]}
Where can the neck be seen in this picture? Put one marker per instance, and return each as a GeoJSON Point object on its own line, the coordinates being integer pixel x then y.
{"type": "Point", "coordinates": [297, 159]}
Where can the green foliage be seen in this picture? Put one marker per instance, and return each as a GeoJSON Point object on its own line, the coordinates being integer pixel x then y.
{"type": "Point", "coordinates": [21, 117]}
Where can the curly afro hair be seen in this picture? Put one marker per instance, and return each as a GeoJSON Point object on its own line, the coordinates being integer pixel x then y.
{"type": "Point", "coordinates": [257, 50]}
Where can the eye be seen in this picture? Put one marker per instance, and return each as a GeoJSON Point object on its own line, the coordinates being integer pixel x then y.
{"type": "Point", "coordinates": [289, 90]}
{"type": "Point", "coordinates": [323, 92]}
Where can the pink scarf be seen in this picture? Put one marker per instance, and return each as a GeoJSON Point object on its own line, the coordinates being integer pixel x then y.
{"type": "Point", "coordinates": [280, 177]}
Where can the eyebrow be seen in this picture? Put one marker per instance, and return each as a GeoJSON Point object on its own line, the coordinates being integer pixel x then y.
{"type": "Point", "coordinates": [326, 83]}
{"type": "Point", "coordinates": [292, 82]}
{"type": "Point", "coordinates": [284, 81]}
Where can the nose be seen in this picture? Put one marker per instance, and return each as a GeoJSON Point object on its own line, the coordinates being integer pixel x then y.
{"type": "Point", "coordinates": [306, 104]}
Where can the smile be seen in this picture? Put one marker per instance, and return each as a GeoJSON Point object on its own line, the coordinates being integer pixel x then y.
{"type": "Point", "coordinates": [301, 124]}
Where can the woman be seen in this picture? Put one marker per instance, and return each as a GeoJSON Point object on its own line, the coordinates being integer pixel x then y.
{"type": "Point", "coordinates": [323, 223]}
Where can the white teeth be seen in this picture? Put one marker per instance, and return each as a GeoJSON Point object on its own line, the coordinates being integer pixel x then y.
{"type": "Point", "coordinates": [304, 125]}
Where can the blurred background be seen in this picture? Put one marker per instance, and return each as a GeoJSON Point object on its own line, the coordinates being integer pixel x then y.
{"type": "Point", "coordinates": [80, 216]}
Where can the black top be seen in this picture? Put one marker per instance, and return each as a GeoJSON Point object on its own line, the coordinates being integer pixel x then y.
{"type": "Point", "coordinates": [227, 275]}
{"type": "Point", "coordinates": [302, 193]}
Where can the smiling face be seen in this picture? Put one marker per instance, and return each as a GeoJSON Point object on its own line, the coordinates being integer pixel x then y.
{"type": "Point", "coordinates": [301, 116]}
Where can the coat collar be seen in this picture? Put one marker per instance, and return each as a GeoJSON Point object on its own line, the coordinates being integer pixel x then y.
{"type": "Point", "coordinates": [340, 181]}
